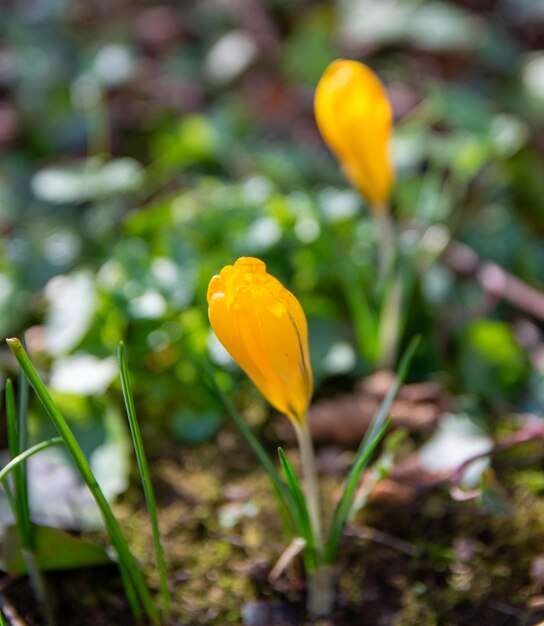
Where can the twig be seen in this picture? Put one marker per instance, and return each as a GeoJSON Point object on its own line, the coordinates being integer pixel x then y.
{"type": "Point", "coordinates": [10, 612]}
{"type": "Point", "coordinates": [293, 549]}
{"type": "Point", "coordinates": [524, 435]}
{"type": "Point", "coordinates": [385, 539]}
{"type": "Point", "coordinates": [495, 280]}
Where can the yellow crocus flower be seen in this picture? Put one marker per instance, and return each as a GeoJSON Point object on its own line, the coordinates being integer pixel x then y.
{"type": "Point", "coordinates": [264, 329]}
{"type": "Point", "coordinates": [354, 117]}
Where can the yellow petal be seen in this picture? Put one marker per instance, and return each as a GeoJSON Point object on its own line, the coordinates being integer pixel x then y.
{"type": "Point", "coordinates": [226, 325]}
{"type": "Point", "coordinates": [287, 354]}
{"type": "Point", "coordinates": [354, 117]}
{"type": "Point", "coordinates": [263, 327]}
{"type": "Point", "coordinates": [253, 332]}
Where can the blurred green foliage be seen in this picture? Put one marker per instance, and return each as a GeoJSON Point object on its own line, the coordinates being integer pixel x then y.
{"type": "Point", "coordinates": [145, 146]}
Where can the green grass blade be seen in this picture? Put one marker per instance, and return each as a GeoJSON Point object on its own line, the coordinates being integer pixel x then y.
{"type": "Point", "coordinates": [11, 500]}
{"type": "Point", "coordinates": [361, 311]}
{"type": "Point", "coordinates": [344, 506]}
{"type": "Point", "coordinates": [22, 426]}
{"type": "Point", "coordinates": [22, 517]}
{"type": "Point", "coordinates": [391, 321]}
{"type": "Point", "coordinates": [38, 583]}
{"type": "Point", "coordinates": [374, 435]}
{"type": "Point", "coordinates": [279, 486]}
{"type": "Point", "coordinates": [130, 592]}
{"type": "Point", "coordinates": [112, 525]}
{"type": "Point", "coordinates": [145, 475]}
{"type": "Point", "coordinates": [23, 456]}
{"type": "Point", "coordinates": [383, 412]}
{"type": "Point", "coordinates": [304, 526]}
{"type": "Point", "coordinates": [20, 460]}
{"type": "Point", "coordinates": [16, 463]}
{"type": "Point", "coordinates": [24, 530]}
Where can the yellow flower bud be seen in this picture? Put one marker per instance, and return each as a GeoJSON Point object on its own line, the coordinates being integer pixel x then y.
{"type": "Point", "coordinates": [264, 329]}
{"type": "Point", "coordinates": [354, 117]}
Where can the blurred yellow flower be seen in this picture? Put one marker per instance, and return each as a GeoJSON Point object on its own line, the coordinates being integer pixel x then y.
{"type": "Point", "coordinates": [264, 329]}
{"type": "Point", "coordinates": [354, 117]}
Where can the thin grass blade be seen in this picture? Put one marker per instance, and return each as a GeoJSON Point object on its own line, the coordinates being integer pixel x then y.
{"type": "Point", "coordinates": [112, 525]}
{"type": "Point", "coordinates": [145, 476]}
{"type": "Point", "coordinates": [22, 427]}
{"type": "Point", "coordinates": [21, 458]}
{"type": "Point", "coordinates": [361, 311]}
{"type": "Point", "coordinates": [374, 435]}
{"type": "Point", "coordinates": [261, 454]}
{"type": "Point", "coordinates": [22, 517]}
{"type": "Point", "coordinates": [391, 320]}
{"type": "Point", "coordinates": [383, 412]}
{"type": "Point", "coordinates": [344, 506]}
{"type": "Point", "coordinates": [130, 592]}
{"type": "Point", "coordinates": [18, 461]}
{"type": "Point", "coordinates": [304, 525]}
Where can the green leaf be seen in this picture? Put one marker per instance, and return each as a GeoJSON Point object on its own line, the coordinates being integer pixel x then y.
{"type": "Point", "coordinates": [55, 549]}
{"type": "Point", "coordinates": [145, 476]}
{"type": "Point", "coordinates": [309, 49]}
{"type": "Point", "coordinates": [101, 431]}
{"type": "Point", "coordinates": [194, 427]}
{"type": "Point", "coordinates": [132, 575]}
{"type": "Point", "coordinates": [444, 27]}
{"type": "Point", "coordinates": [87, 180]}
{"type": "Point", "coordinates": [373, 437]}
{"type": "Point", "coordinates": [23, 456]}
{"type": "Point", "coordinates": [343, 509]}
{"type": "Point", "coordinates": [361, 312]}
{"type": "Point", "coordinates": [72, 302]}
{"type": "Point", "coordinates": [491, 361]}
{"type": "Point", "coordinates": [385, 407]}
{"type": "Point", "coordinates": [280, 488]}
{"type": "Point", "coordinates": [21, 510]}
{"type": "Point", "coordinates": [302, 517]}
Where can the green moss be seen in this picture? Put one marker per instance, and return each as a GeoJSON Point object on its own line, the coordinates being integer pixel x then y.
{"type": "Point", "coordinates": [216, 570]}
{"type": "Point", "coordinates": [530, 479]}
{"type": "Point", "coordinates": [414, 609]}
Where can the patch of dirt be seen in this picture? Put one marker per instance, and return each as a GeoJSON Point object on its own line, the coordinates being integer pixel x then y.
{"type": "Point", "coordinates": [433, 561]}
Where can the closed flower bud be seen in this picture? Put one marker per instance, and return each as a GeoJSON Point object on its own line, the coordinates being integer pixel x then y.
{"type": "Point", "coordinates": [264, 329]}
{"type": "Point", "coordinates": [354, 117]}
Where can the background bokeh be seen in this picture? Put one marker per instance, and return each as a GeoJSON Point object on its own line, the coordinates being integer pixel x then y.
{"type": "Point", "coordinates": [144, 145]}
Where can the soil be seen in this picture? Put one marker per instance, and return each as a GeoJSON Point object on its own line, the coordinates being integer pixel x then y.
{"type": "Point", "coordinates": [430, 561]}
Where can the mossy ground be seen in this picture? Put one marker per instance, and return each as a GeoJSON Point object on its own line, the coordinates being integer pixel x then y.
{"type": "Point", "coordinates": [464, 566]}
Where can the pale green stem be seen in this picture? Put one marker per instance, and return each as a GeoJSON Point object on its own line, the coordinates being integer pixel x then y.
{"type": "Point", "coordinates": [386, 243]}
{"type": "Point", "coordinates": [320, 591]}
{"type": "Point", "coordinates": [39, 585]}
{"type": "Point", "coordinates": [390, 324]}
{"type": "Point", "coordinates": [320, 581]}
{"type": "Point", "coordinates": [311, 488]}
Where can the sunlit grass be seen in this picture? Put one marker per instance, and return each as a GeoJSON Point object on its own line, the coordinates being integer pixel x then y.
{"type": "Point", "coordinates": [136, 589]}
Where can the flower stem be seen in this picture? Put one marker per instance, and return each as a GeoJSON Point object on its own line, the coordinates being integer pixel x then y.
{"type": "Point", "coordinates": [386, 243]}
{"type": "Point", "coordinates": [320, 582]}
{"type": "Point", "coordinates": [311, 489]}
{"type": "Point", "coordinates": [389, 329]}
{"type": "Point", "coordinates": [320, 591]}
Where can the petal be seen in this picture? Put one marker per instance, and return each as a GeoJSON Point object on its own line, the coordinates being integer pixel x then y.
{"type": "Point", "coordinates": [216, 286]}
{"type": "Point", "coordinates": [250, 265]}
{"type": "Point", "coordinates": [298, 320]}
{"type": "Point", "coordinates": [263, 327]}
{"type": "Point", "coordinates": [249, 308]}
{"type": "Point", "coordinates": [225, 324]}
{"type": "Point", "coordinates": [287, 353]}
{"type": "Point", "coordinates": [354, 116]}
